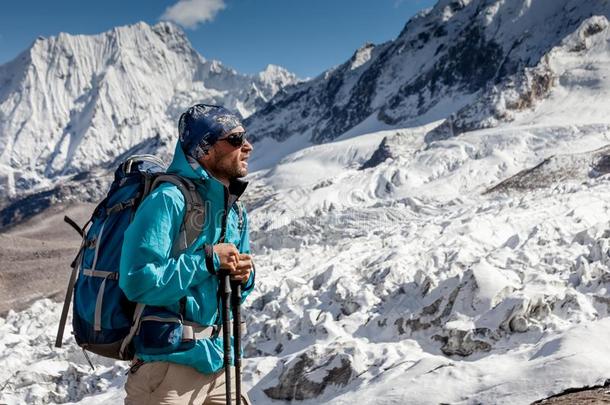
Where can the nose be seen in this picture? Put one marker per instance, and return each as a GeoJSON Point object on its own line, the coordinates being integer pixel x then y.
{"type": "Point", "coordinates": [247, 147]}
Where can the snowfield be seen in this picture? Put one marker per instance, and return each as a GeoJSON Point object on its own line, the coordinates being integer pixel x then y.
{"type": "Point", "coordinates": [401, 283]}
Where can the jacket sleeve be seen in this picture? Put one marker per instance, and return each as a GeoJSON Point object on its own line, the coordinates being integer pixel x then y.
{"type": "Point", "coordinates": [148, 273]}
{"type": "Point", "coordinates": [244, 247]}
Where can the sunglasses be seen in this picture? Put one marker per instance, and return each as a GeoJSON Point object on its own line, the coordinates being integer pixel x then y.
{"type": "Point", "coordinates": [237, 139]}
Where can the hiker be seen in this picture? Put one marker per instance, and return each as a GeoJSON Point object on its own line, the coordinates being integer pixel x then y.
{"type": "Point", "coordinates": [212, 151]}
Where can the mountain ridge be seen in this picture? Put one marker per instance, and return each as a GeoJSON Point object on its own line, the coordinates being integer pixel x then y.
{"type": "Point", "coordinates": [71, 103]}
{"type": "Point", "coordinates": [444, 59]}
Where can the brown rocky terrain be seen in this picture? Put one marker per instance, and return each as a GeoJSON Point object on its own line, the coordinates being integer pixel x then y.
{"type": "Point", "coordinates": [35, 256]}
{"type": "Point", "coordinates": [587, 395]}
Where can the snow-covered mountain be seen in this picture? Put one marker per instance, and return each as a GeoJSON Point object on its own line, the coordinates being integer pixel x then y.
{"type": "Point", "coordinates": [460, 52]}
{"type": "Point", "coordinates": [73, 103]}
{"type": "Point", "coordinates": [569, 85]}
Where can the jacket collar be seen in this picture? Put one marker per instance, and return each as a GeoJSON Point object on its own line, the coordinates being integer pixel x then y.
{"type": "Point", "coordinates": [236, 189]}
{"type": "Point", "coordinates": [186, 167]}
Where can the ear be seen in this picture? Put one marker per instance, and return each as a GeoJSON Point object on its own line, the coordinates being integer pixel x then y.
{"type": "Point", "coordinates": [204, 159]}
{"type": "Point", "coordinates": [207, 158]}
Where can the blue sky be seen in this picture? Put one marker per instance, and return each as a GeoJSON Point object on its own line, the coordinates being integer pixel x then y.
{"type": "Point", "coordinates": [307, 36]}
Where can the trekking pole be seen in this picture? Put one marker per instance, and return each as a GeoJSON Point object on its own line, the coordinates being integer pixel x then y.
{"type": "Point", "coordinates": [225, 286]}
{"type": "Point", "coordinates": [236, 298]}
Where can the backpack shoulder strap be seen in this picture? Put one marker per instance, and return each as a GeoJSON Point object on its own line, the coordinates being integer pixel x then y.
{"type": "Point", "coordinates": [194, 217]}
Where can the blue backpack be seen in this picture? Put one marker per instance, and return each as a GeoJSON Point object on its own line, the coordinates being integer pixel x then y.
{"type": "Point", "coordinates": [104, 321]}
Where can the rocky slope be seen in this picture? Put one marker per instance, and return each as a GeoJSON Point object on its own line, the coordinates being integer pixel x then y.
{"type": "Point", "coordinates": [557, 170]}
{"type": "Point", "coordinates": [569, 81]}
{"type": "Point", "coordinates": [36, 255]}
{"type": "Point", "coordinates": [599, 394]}
{"type": "Point", "coordinates": [458, 53]}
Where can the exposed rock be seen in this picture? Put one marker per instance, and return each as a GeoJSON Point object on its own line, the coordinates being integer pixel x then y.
{"type": "Point", "coordinates": [601, 164]}
{"type": "Point", "coordinates": [518, 324]}
{"type": "Point", "coordinates": [557, 169]}
{"type": "Point", "coordinates": [499, 103]}
{"type": "Point", "coordinates": [307, 376]}
{"type": "Point", "coordinates": [383, 152]}
{"type": "Point", "coordinates": [464, 342]}
{"type": "Point", "coordinates": [510, 94]}
{"type": "Point", "coordinates": [469, 64]}
{"type": "Point", "coordinates": [598, 394]}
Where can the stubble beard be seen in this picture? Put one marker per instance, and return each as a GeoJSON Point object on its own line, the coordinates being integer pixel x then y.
{"type": "Point", "coordinates": [231, 169]}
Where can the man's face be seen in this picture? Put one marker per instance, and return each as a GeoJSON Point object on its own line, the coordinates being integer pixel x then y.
{"type": "Point", "coordinates": [226, 161]}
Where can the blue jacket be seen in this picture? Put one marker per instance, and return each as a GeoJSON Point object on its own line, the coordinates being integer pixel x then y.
{"type": "Point", "coordinates": [149, 275]}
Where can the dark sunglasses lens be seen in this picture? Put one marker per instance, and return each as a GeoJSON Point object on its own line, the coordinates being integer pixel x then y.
{"type": "Point", "coordinates": [237, 139]}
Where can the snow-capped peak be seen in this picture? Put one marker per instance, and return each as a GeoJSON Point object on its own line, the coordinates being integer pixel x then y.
{"type": "Point", "coordinates": [273, 72]}
{"type": "Point", "coordinates": [361, 56]}
{"type": "Point", "coordinates": [273, 78]}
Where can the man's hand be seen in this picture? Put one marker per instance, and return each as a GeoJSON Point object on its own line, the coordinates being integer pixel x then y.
{"type": "Point", "coordinates": [243, 268]}
{"type": "Point", "coordinates": [228, 255]}
{"type": "Point", "coordinates": [238, 264]}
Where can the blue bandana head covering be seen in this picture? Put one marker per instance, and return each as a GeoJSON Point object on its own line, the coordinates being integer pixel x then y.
{"type": "Point", "coordinates": [202, 125]}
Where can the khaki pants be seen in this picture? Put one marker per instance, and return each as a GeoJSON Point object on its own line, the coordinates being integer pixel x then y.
{"type": "Point", "coordinates": [166, 383]}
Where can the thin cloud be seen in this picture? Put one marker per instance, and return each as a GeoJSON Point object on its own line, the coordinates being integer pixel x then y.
{"type": "Point", "coordinates": [191, 13]}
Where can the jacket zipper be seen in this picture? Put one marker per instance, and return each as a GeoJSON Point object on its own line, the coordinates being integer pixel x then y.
{"type": "Point", "coordinates": [225, 214]}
